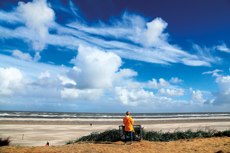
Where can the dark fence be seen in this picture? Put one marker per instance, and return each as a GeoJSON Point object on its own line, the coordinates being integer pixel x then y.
{"type": "Point", "coordinates": [137, 135]}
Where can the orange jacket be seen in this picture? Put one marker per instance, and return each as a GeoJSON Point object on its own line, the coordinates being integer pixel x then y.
{"type": "Point", "coordinates": [128, 122]}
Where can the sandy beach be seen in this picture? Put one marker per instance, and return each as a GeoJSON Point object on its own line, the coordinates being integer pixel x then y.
{"type": "Point", "coordinates": [36, 132]}
{"type": "Point", "coordinates": [207, 145]}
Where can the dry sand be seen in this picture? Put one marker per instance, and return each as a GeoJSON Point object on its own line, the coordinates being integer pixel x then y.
{"type": "Point", "coordinates": [36, 132]}
{"type": "Point", "coordinates": [208, 145]}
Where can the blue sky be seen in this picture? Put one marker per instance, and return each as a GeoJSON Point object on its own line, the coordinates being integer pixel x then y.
{"type": "Point", "coordinates": [112, 56]}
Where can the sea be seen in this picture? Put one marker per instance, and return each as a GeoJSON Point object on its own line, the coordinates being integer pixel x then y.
{"type": "Point", "coordinates": [72, 115]}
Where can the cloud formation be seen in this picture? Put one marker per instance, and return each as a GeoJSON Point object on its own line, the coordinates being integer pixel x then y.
{"type": "Point", "coordinates": [77, 94]}
{"type": "Point", "coordinates": [170, 93]}
{"type": "Point", "coordinates": [223, 48]}
{"type": "Point", "coordinates": [175, 80]}
{"type": "Point", "coordinates": [44, 75]}
{"type": "Point", "coordinates": [223, 95]}
{"type": "Point", "coordinates": [154, 35]}
{"type": "Point", "coordinates": [131, 36]}
{"type": "Point", "coordinates": [197, 96]}
{"type": "Point", "coordinates": [155, 85]}
{"type": "Point", "coordinates": [214, 72]}
{"type": "Point", "coordinates": [98, 74]}
{"type": "Point", "coordinates": [26, 56]}
{"type": "Point", "coordinates": [37, 15]}
{"type": "Point", "coordinates": [204, 54]}
{"type": "Point", "coordinates": [132, 97]}
{"type": "Point", "coordinates": [97, 69]}
{"type": "Point", "coordinates": [11, 81]}
{"type": "Point", "coordinates": [21, 55]}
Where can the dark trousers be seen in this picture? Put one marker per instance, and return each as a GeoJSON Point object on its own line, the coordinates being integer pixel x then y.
{"type": "Point", "coordinates": [131, 135]}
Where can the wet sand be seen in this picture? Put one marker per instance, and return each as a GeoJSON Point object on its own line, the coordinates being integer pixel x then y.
{"type": "Point", "coordinates": [36, 132]}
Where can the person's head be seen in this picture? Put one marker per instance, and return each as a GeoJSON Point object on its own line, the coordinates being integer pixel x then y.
{"type": "Point", "coordinates": [127, 113]}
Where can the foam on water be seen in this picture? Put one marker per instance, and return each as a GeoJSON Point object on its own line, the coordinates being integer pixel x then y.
{"type": "Point", "coordinates": [60, 115]}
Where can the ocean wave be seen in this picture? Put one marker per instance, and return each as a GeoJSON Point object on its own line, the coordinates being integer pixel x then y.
{"type": "Point", "coordinates": [16, 114]}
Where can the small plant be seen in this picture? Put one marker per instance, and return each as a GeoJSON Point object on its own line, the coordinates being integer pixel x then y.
{"type": "Point", "coordinates": [5, 142]}
{"type": "Point", "coordinates": [69, 142]}
{"type": "Point", "coordinates": [226, 133]}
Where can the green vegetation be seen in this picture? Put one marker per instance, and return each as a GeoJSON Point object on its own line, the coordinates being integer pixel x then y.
{"type": "Point", "coordinates": [109, 135]}
{"type": "Point", "coordinates": [5, 142]}
{"type": "Point", "coordinates": [114, 135]}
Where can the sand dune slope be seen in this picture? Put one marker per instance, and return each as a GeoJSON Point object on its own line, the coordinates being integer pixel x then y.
{"type": "Point", "coordinates": [207, 145]}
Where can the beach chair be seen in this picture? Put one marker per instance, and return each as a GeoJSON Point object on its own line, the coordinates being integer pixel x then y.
{"type": "Point", "coordinates": [137, 135]}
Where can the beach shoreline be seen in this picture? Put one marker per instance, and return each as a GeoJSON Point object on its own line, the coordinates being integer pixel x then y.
{"type": "Point", "coordinates": [42, 121]}
{"type": "Point", "coordinates": [36, 132]}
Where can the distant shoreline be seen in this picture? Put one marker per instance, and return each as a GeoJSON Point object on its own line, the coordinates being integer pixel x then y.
{"type": "Point", "coordinates": [36, 121]}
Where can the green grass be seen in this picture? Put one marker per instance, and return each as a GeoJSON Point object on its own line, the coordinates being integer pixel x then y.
{"type": "Point", "coordinates": [114, 135]}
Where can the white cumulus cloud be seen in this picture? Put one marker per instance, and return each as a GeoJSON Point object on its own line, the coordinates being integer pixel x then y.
{"type": "Point", "coordinates": [11, 81]}
{"type": "Point", "coordinates": [97, 69]}
{"type": "Point", "coordinates": [154, 33]}
{"type": "Point", "coordinates": [65, 80]}
{"type": "Point", "coordinates": [171, 93]}
{"type": "Point", "coordinates": [197, 96]}
{"type": "Point", "coordinates": [123, 75]}
{"type": "Point", "coordinates": [175, 80]}
{"type": "Point", "coordinates": [45, 80]}
{"type": "Point", "coordinates": [132, 97]}
{"type": "Point", "coordinates": [155, 85]}
{"type": "Point", "coordinates": [223, 95]}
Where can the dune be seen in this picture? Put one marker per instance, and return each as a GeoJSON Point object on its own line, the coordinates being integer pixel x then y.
{"type": "Point", "coordinates": [212, 145]}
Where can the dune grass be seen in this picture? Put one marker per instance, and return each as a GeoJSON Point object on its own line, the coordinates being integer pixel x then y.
{"type": "Point", "coordinates": [114, 135]}
{"type": "Point", "coordinates": [108, 135]}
